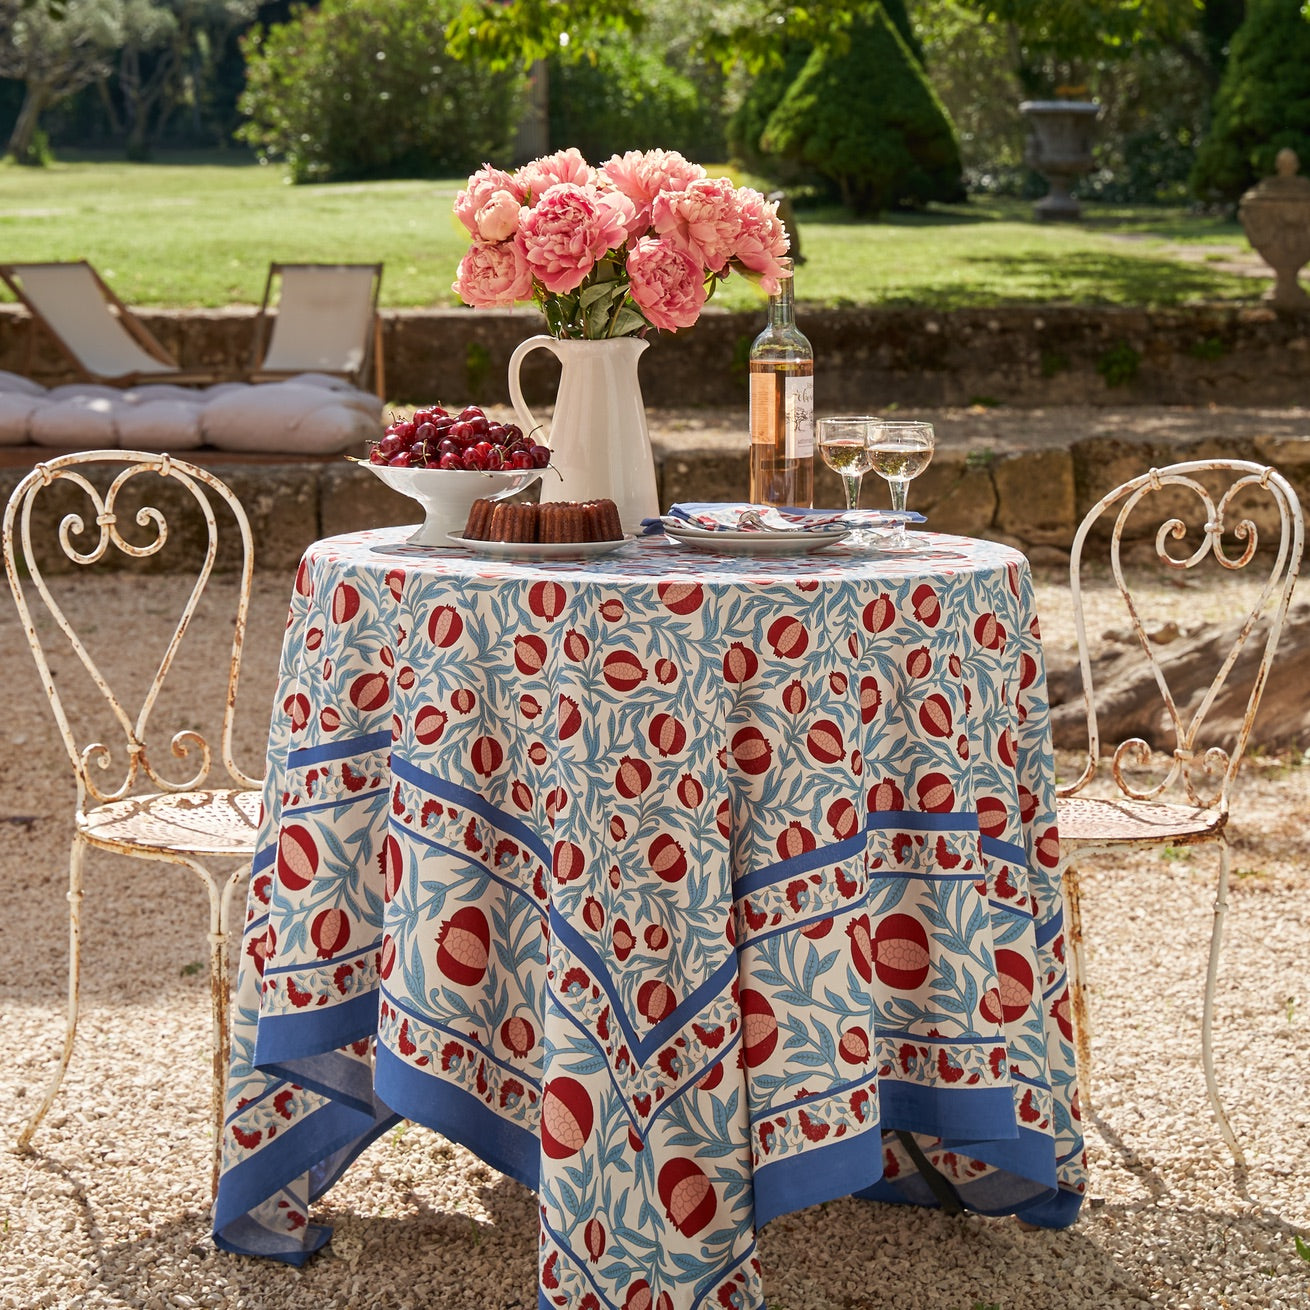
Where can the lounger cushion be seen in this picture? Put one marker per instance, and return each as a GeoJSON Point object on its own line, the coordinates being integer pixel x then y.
{"type": "Point", "coordinates": [15, 417]}
{"type": "Point", "coordinates": [15, 383]}
{"type": "Point", "coordinates": [85, 391]}
{"type": "Point", "coordinates": [79, 423]}
{"type": "Point", "coordinates": [160, 424]}
{"type": "Point", "coordinates": [291, 417]}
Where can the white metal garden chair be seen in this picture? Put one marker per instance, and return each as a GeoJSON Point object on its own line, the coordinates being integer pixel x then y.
{"type": "Point", "coordinates": [126, 802]}
{"type": "Point", "coordinates": [1175, 790]}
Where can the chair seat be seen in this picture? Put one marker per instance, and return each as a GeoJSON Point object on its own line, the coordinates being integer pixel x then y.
{"type": "Point", "coordinates": [1088, 820]}
{"type": "Point", "coordinates": [218, 822]}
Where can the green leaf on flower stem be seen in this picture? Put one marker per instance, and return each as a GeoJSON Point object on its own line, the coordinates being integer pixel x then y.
{"type": "Point", "coordinates": [598, 302]}
{"type": "Point", "coordinates": [626, 322]}
{"type": "Point", "coordinates": [599, 291]}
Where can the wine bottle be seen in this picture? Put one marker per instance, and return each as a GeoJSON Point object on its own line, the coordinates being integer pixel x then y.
{"type": "Point", "coordinates": [782, 406]}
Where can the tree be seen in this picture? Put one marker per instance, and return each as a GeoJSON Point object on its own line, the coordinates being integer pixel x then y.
{"type": "Point", "coordinates": [54, 55]}
{"type": "Point", "coordinates": [862, 114]}
{"type": "Point", "coordinates": [365, 88]}
{"type": "Point", "coordinates": [748, 31]}
{"type": "Point", "coordinates": [1263, 102]}
{"type": "Point", "coordinates": [164, 41]}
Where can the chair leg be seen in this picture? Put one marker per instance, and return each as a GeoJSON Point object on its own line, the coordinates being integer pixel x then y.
{"type": "Point", "coordinates": [76, 856]}
{"type": "Point", "coordinates": [1207, 1011]}
{"type": "Point", "coordinates": [1077, 974]}
{"type": "Point", "coordinates": [220, 993]}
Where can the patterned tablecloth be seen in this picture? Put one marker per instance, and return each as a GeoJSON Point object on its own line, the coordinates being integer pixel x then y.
{"type": "Point", "coordinates": [672, 884]}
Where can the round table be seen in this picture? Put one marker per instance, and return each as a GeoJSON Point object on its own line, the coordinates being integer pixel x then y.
{"type": "Point", "coordinates": [688, 889]}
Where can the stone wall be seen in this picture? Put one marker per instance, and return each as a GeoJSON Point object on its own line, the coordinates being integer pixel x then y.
{"type": "Point", "coordinates": [866, 359]}
{"type": "Point", "coordinates": [1033, 497]}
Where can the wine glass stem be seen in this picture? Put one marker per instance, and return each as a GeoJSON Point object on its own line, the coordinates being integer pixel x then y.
{"type": "Point", "coordinates": [897, 487]}
{"type": "Point", "coordinates": [851, 483]}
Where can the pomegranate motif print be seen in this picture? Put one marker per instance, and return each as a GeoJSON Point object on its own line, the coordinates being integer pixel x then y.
{"type": "Point", "coordinates": [683, 884]}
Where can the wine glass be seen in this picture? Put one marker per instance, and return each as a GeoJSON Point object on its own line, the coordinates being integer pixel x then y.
{"type": "Point", "coordinates": [899, 449]}
{"type": "Point", "coordinates": [844, 446]}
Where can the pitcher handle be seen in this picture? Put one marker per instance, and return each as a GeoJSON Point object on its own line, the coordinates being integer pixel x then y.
{"type": "Point", "coordinates": [522, 413]}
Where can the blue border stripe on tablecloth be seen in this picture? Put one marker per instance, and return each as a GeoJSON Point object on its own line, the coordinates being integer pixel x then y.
{"type": "Point", "coordinates": [823, 1174]}
{"type": "Point", "coordinates": [338, 750]}
{"type": "Point", "coordinates": [938, 1111]}
{"type": "Point", "coordinates": [295, 1036]}
{"type": "Point", "coordinates": [1004, 850]}
{"type": "Point", "coordinates": [471, 800]}
{"type": "Point", "coordinates": [641, 1048]}
{"type": "Point", "coordinates": [330, 963]}
{"type": "Point", "coordinates": [322, 1145]}
{"type": "Point", "coordinates": [406, 1008]}
{"type": "Point", "coordinates": [1029, 1159]}
{"type": "Point", "coordinates": [917, 821]}
{"type": "Point", "coordinates": [797, 865]}
{"type": "Point", "coordinates": [452, 1112]}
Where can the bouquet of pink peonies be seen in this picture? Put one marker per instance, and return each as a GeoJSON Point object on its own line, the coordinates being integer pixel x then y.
{"type": "Point", "coordinates": [640, 242]}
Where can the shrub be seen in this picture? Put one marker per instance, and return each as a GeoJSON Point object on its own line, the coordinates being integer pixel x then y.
{"type": "Point", "coordinates": [1263, 102]}
{"type": "Point", "coordinates": [866, 118]}
{"type": "Point", "coordinates": [365, 89]}
{"type": "Point", "coordinates": [616, 96]}
{"type": "Point", "coordinates": [764, 92]}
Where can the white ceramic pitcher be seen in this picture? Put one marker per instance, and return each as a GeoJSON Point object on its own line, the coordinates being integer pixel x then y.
{"type": "Point", "coordinates": [598, 437]}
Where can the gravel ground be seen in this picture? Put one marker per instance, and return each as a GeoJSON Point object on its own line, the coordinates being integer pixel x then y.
{"type": "Point", "coordinates": [111, 1208]}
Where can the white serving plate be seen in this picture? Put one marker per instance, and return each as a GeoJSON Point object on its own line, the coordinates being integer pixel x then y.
{"type": "Point", "coordinates": [729, 542]}
{"type": "Point", "coordinates": [537, 549]}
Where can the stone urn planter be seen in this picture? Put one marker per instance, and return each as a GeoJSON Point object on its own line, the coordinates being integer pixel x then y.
{"type": "Point", "coordinates": [1059, 147]}
{"type": "Point", "coordinates": [1275, 214]}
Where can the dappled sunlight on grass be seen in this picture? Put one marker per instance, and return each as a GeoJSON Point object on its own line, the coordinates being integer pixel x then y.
{"type": "Point", "coordinates": [200, 229]}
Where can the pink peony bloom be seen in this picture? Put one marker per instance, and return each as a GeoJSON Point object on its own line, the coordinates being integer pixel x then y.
{"type": "Point", "coordinates": [498, 219]}
{"type": "Point", "coordinates": [494, 274]}
{"type": "Point", "coordinates": [703, 220]}
{"type": "Point", "coordinates": [665, 283]}
{"type": "Point", "coordinates": [535, 179]}
{"type": "Point", "coordinates": [642, 175]}
{"type": "Point", "coordinates": [566, 232]}
{"type": "Point", "coordinates": [481, 187]}
{"type": "Point", "coordinates": [623, 211]}
{"type": "Point", "coordinates": [762, 240]}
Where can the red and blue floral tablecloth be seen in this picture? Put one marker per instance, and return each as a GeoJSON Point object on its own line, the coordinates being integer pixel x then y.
{"type": "Point", "coordinates": [677, 886]}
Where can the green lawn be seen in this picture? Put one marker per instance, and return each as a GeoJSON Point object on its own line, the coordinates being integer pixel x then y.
{"type": "Point", "coordinates": [202, 231]}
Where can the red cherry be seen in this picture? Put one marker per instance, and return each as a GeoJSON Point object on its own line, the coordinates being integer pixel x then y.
{"type": "Point", "coordinates": [520, 459]}
{"type": "Point", "coordinates": [473, 461]}
{"type": "Point", "coordinates": [479, 425]}
{"type": "Point", "coordinates": [540, 456]}
{"type": "Point", "coordinates": [375, 456]}
{"type": "Point", "coordinates": [513, 433]}
{"type": "Point", "coordinates": [400, 460]}
{"type": "Point", "coordinates": [460, 431]}
{"type": "Point", "coordinates": [451, 461]}
{"type": "Point", "coordinates": [424, 431]}
{"type": "Point", "coordinates": [470, 411]}
{"type": "Point", "coordinates": [495, 433]}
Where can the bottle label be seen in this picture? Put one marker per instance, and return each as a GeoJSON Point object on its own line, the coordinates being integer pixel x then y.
{"type": "Point", "coordinates": [800, 417]}
{"type": "Point", "coordinates": [764, 391]}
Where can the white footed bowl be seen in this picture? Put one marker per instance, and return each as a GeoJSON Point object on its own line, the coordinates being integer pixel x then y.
{"type": "Point", "coordinates": [447, 495]}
